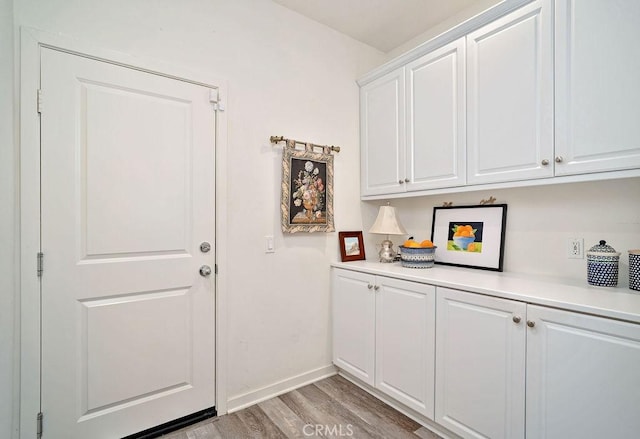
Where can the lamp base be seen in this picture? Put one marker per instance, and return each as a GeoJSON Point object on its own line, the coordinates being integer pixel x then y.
{"type": "Point", "coordinates": [387, 253]}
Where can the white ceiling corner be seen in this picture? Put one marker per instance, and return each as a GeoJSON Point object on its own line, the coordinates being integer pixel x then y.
{"type": "Point", "coordinates": [383, 24]}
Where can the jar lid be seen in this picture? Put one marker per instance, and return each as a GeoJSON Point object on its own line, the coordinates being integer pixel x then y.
{"type": "Point", "coordinates": [602, 247]}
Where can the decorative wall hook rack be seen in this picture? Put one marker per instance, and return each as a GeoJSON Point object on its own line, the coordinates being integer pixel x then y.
{"type": "Point", "coordinates": [491, 200]}
{"type": "Point", "coordinates": [292, 142]}
{"type": "Point", "coordinates": [447, 204]}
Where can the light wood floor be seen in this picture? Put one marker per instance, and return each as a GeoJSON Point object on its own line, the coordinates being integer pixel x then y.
{"type": "Point", "coordinates": [337, 407]}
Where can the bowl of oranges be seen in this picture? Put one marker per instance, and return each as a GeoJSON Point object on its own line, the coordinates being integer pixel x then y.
{"type": "Point", "coordinates": [463, 237]}
{"type": "Point", "coordinates": [414, 254]}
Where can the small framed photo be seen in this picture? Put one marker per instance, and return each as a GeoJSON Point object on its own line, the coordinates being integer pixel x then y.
{"type": "Point", "coordinates": [351, 246]}
{"type": "Point", "coordinates": [470, 236]}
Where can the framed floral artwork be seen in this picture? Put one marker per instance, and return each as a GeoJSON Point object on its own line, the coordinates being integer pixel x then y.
{"type": "Point", "coordinates": [470, 236]}
{"type": "Point", "coordinates": [307, 191]}
{"type": "Point", "coordinates": [351, 246]}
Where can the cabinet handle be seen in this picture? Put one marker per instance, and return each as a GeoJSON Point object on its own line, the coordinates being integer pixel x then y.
{"type": "Point", "coordinates": [545, 162]}
{"type": "Point", "coordinates": [369, 286]}
{"type": "Point", "coordinates": [516, 319]}
{"type": "Point", "coordinates": [406, 180]}
{"type": "Point", "coordinates": [400, 181]}
{"type": "Point", "coordinates": [531, 323]}
{"type": "Point", "coordinates": [559, 159]}
{"type": "Point", "coordinates": [377, 287]}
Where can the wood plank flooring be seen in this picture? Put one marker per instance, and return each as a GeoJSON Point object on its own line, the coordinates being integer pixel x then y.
{"type": "Point", "coordinates": [331, 408]}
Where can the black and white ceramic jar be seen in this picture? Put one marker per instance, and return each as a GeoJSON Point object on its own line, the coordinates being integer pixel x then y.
{"type": "Point", "coordinates": [602, 265]}
{"type": "Point", "coordinates": [634, 269]}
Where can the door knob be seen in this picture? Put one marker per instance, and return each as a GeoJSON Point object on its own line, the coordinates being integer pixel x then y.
{"type": "Point", "coordinates": [205, 271]}
{"type": "Point", "coordinates": [559, 159]}
{"type": "Point", "coordinates": [531, 323]}
{"type": "Point", "coordinates": [517, 319]}
{"type": "Point", "coordinates": [544, 162]}
{"type": "Point", "coordinates": [205, 247]}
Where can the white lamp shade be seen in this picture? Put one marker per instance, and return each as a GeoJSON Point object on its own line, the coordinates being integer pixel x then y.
{"type": "Point", "coordinates": [387, 223]}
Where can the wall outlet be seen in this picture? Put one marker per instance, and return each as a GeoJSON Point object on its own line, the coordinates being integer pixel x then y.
{"type": "Point", "coordinates": [575, 248]}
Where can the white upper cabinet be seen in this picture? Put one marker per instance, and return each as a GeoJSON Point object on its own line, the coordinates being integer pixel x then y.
{"type": "Point", "coordinates": [510, 97]}
{"type": "Point", "coordinates": [382, 134]}
{"type": "Point", "coordinates": [436, 118]}
{"type": "Point", "coordinates": [597, 91]}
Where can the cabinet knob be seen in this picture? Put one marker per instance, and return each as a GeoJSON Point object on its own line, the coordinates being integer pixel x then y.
{"type": "Point", "coordinates": [406, 180]}
{"type": "Point", "coordinates": [377, 287]}
{"type": "Point", "coordinates": [400, 181]}
{"type": "Point", "coordinates": [545, 162]}
{"type": "Point", "coordinates": [369, 286]}
{"type": "Point", "coordinates": [559, 159]}
{"type": "Point", "coordinates": [516, 319]}
{"type": "Point", "coordinates": [531, 323]}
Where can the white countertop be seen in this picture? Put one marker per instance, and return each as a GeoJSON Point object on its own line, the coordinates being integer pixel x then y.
{"type": "Point", "coordinates": [618, 303]}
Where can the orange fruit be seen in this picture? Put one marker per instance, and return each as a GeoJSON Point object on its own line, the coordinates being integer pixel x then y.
{"type": "Point", "coordinates": [465, 233]}
{"type": "Point", "coordinates": [457, 234]}
{"type": "Point", "coordinates": [426, 243]}
{"type": "Point", "coordinates": [413, 244]}
{"type": "Point", "coordinates": [408, 242]}
{"type": "Point", "coordinates": [471, 247]}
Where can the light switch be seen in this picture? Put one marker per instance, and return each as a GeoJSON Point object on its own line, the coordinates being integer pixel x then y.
{"type": "Point", "coordinates": [269, 247]}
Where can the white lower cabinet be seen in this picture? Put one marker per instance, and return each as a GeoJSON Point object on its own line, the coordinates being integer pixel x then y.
{"type": "Point", "coordinates": [480, 365]}
{"type": "Point", "coordinates": [583, 376]}
{"type": "Point", "coordinates": [581, 372]}
{"type": "Point", "coordinates": [383, 334]}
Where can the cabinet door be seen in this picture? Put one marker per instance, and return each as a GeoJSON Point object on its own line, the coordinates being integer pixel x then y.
{"type": "Point", "coordinates": [510, 97]}
{"type": "Point", "coordinates": [597, 93]}
{"type": "Point", "coordinates": [382, 132]}
{"type": "Point", "coordinates": [583, 376]}
{"type": "Point", "coordinates": [480, 365]}
{"type": "Point", "coordinates": [354, 323]}
{"type": "Point", "coordinates": [436, 118]}
{"type": "Point", "coordinates": [405, 342]}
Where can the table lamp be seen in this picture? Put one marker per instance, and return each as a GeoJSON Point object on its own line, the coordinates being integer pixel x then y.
{"type": "Point", "coordinates": [387, 224]}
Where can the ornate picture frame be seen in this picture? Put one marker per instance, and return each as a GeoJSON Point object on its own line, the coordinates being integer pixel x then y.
{"type": "Point", "coordinates": [470, 236]}
{"type": "Point", "coordinates": [351, 246]}
{"type": "Point", "coordinates": [307, 191]}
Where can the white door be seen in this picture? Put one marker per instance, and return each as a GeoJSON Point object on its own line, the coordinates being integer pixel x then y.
{"type": "Point", "coordinates": [354, 323]}
{"type": "Point", "coordinates": [127, 198]}
{"type": "Point", "coordinates": [405, 342]}
{"type": "Point", "coordinates": [382, 132]}
{"type": "Point", "coordinates": [480, 365]}
{"type": "Point", "coordinates": [436, 111]}
{"type": "Point", "coordinates": [583, 376]}
{"type": "Point", "coordinates": [597, 93]}
{"type": "Point", "coordinates": [510, 97]}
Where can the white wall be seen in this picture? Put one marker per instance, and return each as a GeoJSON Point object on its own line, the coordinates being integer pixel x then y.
{"type": "Point", "coordinates": [286, 76]}
{"type": "Point", "coordinates": [539, 222]}
{"type": "Point", "coordinates": [7, 218]}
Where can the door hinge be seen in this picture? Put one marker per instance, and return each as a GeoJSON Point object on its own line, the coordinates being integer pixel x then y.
{"type": "Point", "coordinates": [40, 263]}
{"type": "Point", "coordinates": [39, 100]}
{"type": "Point", "coordinates": [216, 100]}
{"type": "Point", "coordinates": [39, 425]}
{"type": "Point", "coordinates": [215, 268]}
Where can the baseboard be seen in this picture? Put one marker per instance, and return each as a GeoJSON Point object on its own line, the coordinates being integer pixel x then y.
{"type": "Point", "coordinates": [255, 396]}
{"type": "Point", "coordinates": [409, 412]}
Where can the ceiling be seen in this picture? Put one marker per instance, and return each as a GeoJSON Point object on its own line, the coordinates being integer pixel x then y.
{"type": "Point", "coordinates": [383, 24]}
